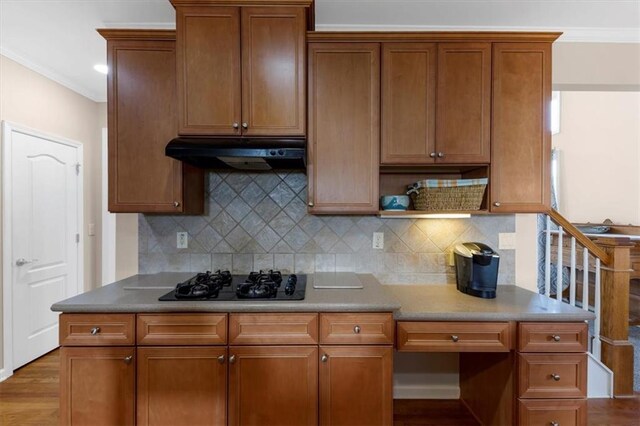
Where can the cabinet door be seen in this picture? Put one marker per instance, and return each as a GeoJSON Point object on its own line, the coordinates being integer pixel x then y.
{"type": "Point", "coordinates": [141, 115]}
{"type": "Point", "coordinates": [344, 121]}
{"type": "Point", "coordinates": [273, 385]}
{"type": "Point", "coordinates": [408, 103]}
{"type": "Point", "coordinates": [97, 386]}
{"type": "Point", "coordinates": [182, 386]}
{"type": "Point", "coordinates": [521, 135]}
{"type": "Point", "coordinates": [464, 103]}
{"type": "Point", "coordinates": [273, 71]}
{"type": "Point", "coordinates": [356, 385]}
{"type": "Point", "coordinates": [208, 55]}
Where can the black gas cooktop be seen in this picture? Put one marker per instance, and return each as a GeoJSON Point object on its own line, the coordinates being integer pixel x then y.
{"type": "Point", "coordinates": [221, 285]}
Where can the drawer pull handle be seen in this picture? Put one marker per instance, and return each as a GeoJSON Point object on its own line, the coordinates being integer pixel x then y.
{"type": "Point", "coordinates": [555, 377]}
{"type": "Point", "coordinates": [356, 329]}
{"type": "Point", "coordinates": [232, 359]}
{"type": "Point", "coordinates": [324, 358]}
{"type": "Point", "coordinates": [556, 338]}
{"type": "Point", "coordinates": [221, 359]}
{"type": "Point", "coordinates": [455, 338]}
{"type": "Point", "coordinates": [95, 330]}
{"type": "Point", "coordinates": [128, 359]}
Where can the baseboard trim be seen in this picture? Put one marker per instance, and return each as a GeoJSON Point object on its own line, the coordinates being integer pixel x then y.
{"type": "Point", "coordinates": [4, 375]}
{"type": "Point", "coordinates": [425, 392]}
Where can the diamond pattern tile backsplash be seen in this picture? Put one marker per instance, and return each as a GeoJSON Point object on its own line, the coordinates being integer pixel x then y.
{"type": "Point", "coordinates": [258, 221]}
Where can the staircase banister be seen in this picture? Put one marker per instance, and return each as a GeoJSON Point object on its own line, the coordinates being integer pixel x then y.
{"type": "Point", "coordinates": [569, 228]}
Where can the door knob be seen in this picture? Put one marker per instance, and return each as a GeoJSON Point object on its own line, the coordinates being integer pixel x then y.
{"type": "Point", "coordinates": [556, 338]}
{"type": "Point", "coordinates": [176, 204]}
{"type": "Point", "coordinates": [310, 203]}
{"type": "Point", "coordinates": [440, 154]}
{"type": "Point", "coordinates": [497, 204]}
{"type": "Point", "coordinates": [221, 359]}
{"type": "Point", "coordinates": [236, 125]}
{"type": "Point", "coordinates": [245, 125]}
{"type": "Point", "coordinates": [432, 155]}
{"type": "Point", "coordinates": [455, 338]}
{"type": "Point", "coordinates": [128, 359]}
{"type": "Point", "coordinates": [22, 261]}
{"type": "Point", "coordinates": [356, 329]}
{"type": "Point", "coordinates": [324, 358]}
{"type": "Point", "coordinates": [232, 359]}
{"type": "Point", "coordinates": [555, 377]}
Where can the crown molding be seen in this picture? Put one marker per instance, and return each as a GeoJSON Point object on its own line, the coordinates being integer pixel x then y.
{"type": "Point", "coordinates": [52, 75]}
{"type": "Point", "coordinates": [570, 34]}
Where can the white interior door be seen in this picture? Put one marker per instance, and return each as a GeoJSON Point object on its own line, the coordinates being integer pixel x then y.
{"type": "Point", "coordinates": [44, 239]}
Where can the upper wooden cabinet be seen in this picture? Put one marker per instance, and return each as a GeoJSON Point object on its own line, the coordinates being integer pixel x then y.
{"type": "Point", "coordinates": [408, 102]}
{"type": "Point", "coordinates": [417, 129]}
{"type": "Point", "coordinates": [142, 120]}
{"type": "Point", "coordinates": [521, 136]}
{"type": "Point", "coordinates": [463, 112]}
{"type": "Point", "coordinates": [344, 127]}
{"type": "Point", "coordinates": [241, 70]}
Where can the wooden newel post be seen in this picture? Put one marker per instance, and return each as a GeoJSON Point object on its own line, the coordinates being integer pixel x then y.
{"type": "Point", "coordinates": [616, 350]}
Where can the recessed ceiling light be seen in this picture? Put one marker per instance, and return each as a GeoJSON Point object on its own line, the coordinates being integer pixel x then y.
{"type": "Point", "coordinates": [101, 68]}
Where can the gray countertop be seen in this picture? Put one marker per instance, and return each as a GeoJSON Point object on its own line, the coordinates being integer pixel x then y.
{"type": "Point", "coordinates": [140, 293]}
{"type": "Point", "coordinates": [512, 303]}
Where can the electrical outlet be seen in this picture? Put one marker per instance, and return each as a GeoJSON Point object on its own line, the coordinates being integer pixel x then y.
{"type": "Point", "coordinates": [378, 240]}
{"type": "Point", "coordinates": [183, 240]}
{"type": "Point", "coordinates": [507, 241]}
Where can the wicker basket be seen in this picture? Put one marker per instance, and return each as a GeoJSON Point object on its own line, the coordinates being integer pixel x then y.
{"type": "Point", "coordinates": [448, 194]}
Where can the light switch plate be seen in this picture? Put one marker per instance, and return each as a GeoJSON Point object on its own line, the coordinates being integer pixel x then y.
{"type": "Point", "coordinates": [183, 240]}
{"type": "Point", "coordinates": [507, 241]}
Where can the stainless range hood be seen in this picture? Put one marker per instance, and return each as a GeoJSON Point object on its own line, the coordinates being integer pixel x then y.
{"type": "Point", "coordinates": [240, 153]}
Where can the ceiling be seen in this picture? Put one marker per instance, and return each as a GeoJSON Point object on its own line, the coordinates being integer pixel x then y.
{"type": "Point", "coordinates": [57, 38]}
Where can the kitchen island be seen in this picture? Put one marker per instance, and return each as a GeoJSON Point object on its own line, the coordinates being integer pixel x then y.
{"type": "Point", "coordinates": [128, 358]}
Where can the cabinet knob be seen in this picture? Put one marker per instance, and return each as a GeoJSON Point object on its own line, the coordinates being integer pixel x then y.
{"type": "Point", "coordinates": [555, 377]}
{"type": "Point", "coordinates": [245, 125]}
{"type": "Point", "coordinates": [556, 338]}
{"type": "Point", "coordinates": [432, 155]}
{"type": "Point", "coordinates": [440, 154]}
{"type": "Point", "coordinates": [95, 330]}
{"type": "Point", "coordinates": [176, 204]}
{"type": "Point", "coordinates": [552, 423]}
{"type": "Point", "coordinates": [310, 203]}
{"type": "Point", "coordinates": [497, 204]}
{"type": "Point", "coordinates": [454, 338]}
{"type": "Point", "coordinates": [324, 358]}
{"type": "Point", "coordinates": [356, 329]}
{"type": "Point", "coordinates": [232, 359]}
{"type": "Point", "coordinates": [236, 125]}
{"type": "Point", "coordinates": [128, 359]}
{"type": "Point", "coordinates": [221, 359]}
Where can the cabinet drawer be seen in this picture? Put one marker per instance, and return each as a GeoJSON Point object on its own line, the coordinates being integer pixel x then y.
{"type": "Point", "coordinates": [552, 337]}
{"type": "Point", "coordinates": [356, 329]}
{"type": "Point", "coordinates": [273, 329]}
{"type": "Point", "coordinates": [454, 336]}
{"type": "Point", "coordinates": [552, 375]}
{"type": "Point", "coordinates": [97, 329]}
{"type": "Point", "coordinates": [567, 412]}
{"type": "Point", "coordinates": [182, 329]}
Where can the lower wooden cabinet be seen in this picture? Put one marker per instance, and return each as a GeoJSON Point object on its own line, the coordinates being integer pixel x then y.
{"type": "Point", "coordinates": [97, 386]}
{"type": "Point", "coordinates": [356, 385]}
{"type": "Point", "coordinates": [182, 386]}
{"type": "Point", "coordinates": [549, 412]}
{"type": "Point", "coordinates": [273, 385]}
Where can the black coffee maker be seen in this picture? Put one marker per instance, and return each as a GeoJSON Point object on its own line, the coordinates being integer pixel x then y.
{"type": "Point", "coordinates": [476, 269]}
